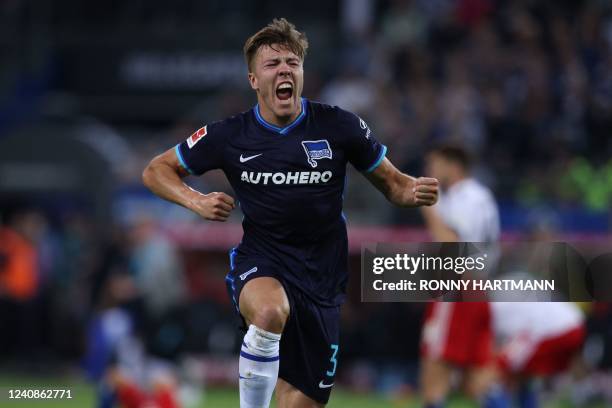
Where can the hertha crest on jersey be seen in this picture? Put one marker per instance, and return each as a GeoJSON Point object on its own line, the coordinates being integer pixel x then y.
{"type": "Point", "coordinates": [316, 150]}
{"type": "Point", "coordinates": [195, 138]}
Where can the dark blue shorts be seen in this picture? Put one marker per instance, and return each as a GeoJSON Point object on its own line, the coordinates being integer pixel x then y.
{"type": "Point", "coordinates": [309, 343]}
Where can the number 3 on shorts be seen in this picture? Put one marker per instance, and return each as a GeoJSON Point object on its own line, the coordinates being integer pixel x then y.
{"type": "Point", "coordinates": [333, 360]}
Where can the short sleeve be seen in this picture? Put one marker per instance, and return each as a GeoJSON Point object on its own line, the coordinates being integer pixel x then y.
{"type": "Point", "coordinates": [363, 151]}
{"type": "Point", "coordinates": [203, 150]}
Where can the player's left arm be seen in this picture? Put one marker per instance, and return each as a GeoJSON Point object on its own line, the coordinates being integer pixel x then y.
{"type": "Point", "coordinates": [401, 189]}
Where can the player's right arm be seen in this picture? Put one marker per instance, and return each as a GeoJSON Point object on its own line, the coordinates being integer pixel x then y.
{"type": "Point", "coordinates": [164, 177]}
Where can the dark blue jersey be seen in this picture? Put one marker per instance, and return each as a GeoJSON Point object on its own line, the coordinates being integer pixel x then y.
{"type": "Point", "coordinates": [289, 183]}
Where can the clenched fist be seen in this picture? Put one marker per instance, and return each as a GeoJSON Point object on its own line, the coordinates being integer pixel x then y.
{"type": "Point", "coordinates": [213, 206]}
{"type": "Point", "coordinates": [425, 191]}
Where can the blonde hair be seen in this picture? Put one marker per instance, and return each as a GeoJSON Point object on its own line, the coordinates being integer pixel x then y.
{"type": "Point", "coordinates": [281, 32]}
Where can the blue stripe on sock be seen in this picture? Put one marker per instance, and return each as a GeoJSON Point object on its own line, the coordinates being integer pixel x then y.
{"type": "Point", "coordinates": [257, 358]}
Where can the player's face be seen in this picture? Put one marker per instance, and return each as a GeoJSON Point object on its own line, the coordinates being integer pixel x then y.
{"type": "Point", "coordinates": [278, 79]}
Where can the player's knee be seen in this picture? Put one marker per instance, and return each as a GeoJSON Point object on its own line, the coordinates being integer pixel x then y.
{"type": "Point", "coordinates": [272, 317]}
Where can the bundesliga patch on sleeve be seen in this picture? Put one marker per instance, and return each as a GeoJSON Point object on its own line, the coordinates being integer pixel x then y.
{"type": "Point", "coordinates": [195, 138]}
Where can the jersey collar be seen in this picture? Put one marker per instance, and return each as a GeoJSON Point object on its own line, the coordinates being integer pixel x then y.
{"type": "Point", "coordinates": [283, 130]}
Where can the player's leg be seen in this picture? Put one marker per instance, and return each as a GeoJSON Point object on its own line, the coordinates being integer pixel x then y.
{"type": "Point", "coordinates": [310, 350]}
{"type": "Point", "coordinates": [264, 303]}
{"type": "Point", "coordinates": [265, 308]}
{"type": "Point", "coordinates": [435, 381]}
{"type": "Point", "coordinates": [435, 372]}
{"type": "Point", "coordinates": [482, 382]}
{"type": "Point", "coordinates": [484, 385]}
{"type": "Point", "coordinates": [476, 381]}
{"type": "Point", "coordinates": [527, 393]}
{"type": "Point", "coordinates": [287, 396]}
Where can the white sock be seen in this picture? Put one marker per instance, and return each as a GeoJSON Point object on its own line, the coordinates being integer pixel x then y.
{"type": "Point", "coordinates": [258, 367]}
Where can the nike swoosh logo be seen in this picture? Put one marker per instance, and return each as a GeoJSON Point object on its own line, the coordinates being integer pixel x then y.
{"type": "Point", "coordinates": [246, 159]}
{"type": "Point", "coordinates": [323, 385]}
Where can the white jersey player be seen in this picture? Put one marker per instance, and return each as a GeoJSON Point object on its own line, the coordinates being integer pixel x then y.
{"type": "Point", "coordinates": [466, 212]}
{"type": "Point", "coordinates": [537, 338]}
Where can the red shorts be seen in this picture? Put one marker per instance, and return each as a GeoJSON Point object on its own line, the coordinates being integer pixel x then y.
{"type": "Point", "coordinates": [132, 396]}
{"type": "Point", "coordinates": [458, 333]}
{"type": "Point", "coordinates": [548, 356]}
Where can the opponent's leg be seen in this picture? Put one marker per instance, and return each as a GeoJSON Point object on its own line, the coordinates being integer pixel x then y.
{"type": "Point", "coordinates": [527, 394]}
{"type": "Point", "coordinates": [435, 382]}
{"type": "Point", "coordinates": [287, 396]}
{"type": "Point", "coordinates": [483, 384]}
{"type": "Point", "coordinates": [265, 308]}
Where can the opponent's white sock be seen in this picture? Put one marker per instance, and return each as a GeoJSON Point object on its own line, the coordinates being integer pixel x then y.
{"type": "Point", "coordinates": [258, 367]}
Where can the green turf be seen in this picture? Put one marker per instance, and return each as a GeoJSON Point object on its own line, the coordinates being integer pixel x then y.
{"type": "Point", "coordinates": [226, 398]}
{"type": "Point", "coordinates": [83, 395]}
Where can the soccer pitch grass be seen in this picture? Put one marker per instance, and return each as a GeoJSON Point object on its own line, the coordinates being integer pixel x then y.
{"type": "Point", "coordinates": [83, 395]}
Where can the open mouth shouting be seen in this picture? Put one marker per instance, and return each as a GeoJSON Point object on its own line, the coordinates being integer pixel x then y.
{"type": "Point", "coordinates": [284, 91]}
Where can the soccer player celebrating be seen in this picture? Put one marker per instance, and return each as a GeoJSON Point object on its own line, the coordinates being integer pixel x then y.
{"type": "Point", "coordinates": [286, 161]}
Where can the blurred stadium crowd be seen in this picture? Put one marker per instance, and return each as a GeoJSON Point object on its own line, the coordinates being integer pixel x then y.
{"type": "Point", "coordinates": [91, 91]}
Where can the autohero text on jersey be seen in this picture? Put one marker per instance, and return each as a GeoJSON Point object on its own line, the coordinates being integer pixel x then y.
{"type": "Point", "coordinates": [291, 177]}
